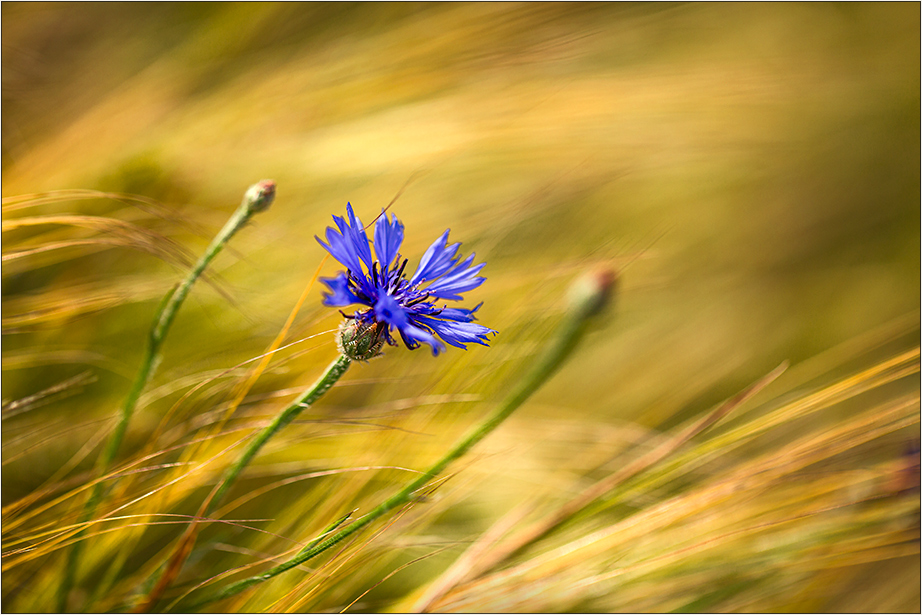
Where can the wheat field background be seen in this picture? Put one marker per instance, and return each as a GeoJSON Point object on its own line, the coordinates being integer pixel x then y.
{"type": "Point", "coordinates": [752, 171]}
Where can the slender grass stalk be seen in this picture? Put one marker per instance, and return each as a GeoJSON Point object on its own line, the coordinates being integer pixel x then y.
{"type": "Point", "coordinates": [587, 298]}
{"type": "Point", "coordinates": [257, 198]}
{"type": "Point", "coordinates": [187, 539]}
{"type": "Point", "coordinates": [475, 562]}
{"type": "Point", "coordinates": [333, 373]}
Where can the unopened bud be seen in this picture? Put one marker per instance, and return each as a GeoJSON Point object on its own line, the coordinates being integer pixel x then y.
{"type": "Point", "coordinates": [359, 340]}
{"type": "Point", "coordinates": [592, 291]}
{"type": "Point", "coordinates": [259, 196]}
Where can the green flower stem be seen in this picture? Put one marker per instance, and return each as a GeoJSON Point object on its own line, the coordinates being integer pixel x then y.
{"type": "Point", "coordinates": [333, 373]}
{"type": "Point", "coordinates": [257, 198]}
{"type": "Point", "coordinates": [167, 573]}
{"type": "Point", "coordinates": [588, 296]}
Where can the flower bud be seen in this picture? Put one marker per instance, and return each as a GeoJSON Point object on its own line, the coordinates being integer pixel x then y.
{"type": "Point", "coordinates": [360, 340]}
{"type": "Point", "coordinates": [259, 196]}
{"type": "Point", "coordinates": [591, 292]}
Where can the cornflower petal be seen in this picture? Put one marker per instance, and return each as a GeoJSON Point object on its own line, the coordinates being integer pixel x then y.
{"type": "Point", "coordinates": [459, 279]}
{"type": "Point", "coordinates": [457, 333]}
{"type": "Point", "coordinates": [347, 240]}
{"type": "Point", "coordinates": [339, 248]}
{"type": "Point", "coordinates": [454, 291]}
{"type": "Point", "coordinates": [418, 335]}
{"type": "Point", "coordinates": [358, 237]}
{"type": "Point", "coordinates": [341, 295]}
{"type": "Point", "coordinates": [436, 261]}
{"type": "Point", "coordinates": [458, 314]}
{"type": "Point", "coordinates": [388, 237]}
{"type": "Point", "coordinates": [388, 310]}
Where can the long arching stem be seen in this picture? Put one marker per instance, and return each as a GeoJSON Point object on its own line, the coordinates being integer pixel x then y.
{"type": "Point", "coordinates": [257, 198]}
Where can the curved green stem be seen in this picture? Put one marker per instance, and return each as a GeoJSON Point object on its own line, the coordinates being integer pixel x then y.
{"type": "Point", "coordinates": [161, 580]}
{"type": "Point", "coordinates": [588, 297]}
{"type": "Point", "coordinates": [333, 373]}
{"type": "Point", "coordinates": [257, 198]}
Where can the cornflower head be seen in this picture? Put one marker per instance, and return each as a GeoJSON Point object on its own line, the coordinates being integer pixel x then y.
{"type": "Point", "coordinates": [394, 302]}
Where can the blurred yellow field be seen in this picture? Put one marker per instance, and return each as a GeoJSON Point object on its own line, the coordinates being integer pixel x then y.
{"type": "Point", "coordinates": [751, 172]}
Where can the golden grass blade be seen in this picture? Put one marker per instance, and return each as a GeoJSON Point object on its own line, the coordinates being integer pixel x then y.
{"type": "Point", "coordinates": [120, 232]}
{"type": "Point", "coordinates": [64, 535]}
{"type": "Point", "coordinates": [187, 540]}
{"type": "Point", "coordinates": [30, 402]}
{"type": "Point", "coordinates": [393, 572]}
{"type": "Point", "coordinates": [71, 302]}
{"type": "Point", "coordinates": [751, 477]}
{"type": "Point", "coordinates": [470, 567]}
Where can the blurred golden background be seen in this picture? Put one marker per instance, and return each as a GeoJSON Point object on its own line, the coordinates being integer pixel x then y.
{"type": "Point", "coordinates": [753, 172]}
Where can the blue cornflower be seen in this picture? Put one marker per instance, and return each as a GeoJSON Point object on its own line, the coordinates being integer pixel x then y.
{"type": "Point", "coordinates": [395, 302]}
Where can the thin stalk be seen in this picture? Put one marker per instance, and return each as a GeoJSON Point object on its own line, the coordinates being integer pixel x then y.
{"type": "Point", "coordinates": [257, 198]}
{"type": "Point", "coordinates": [469, 567]}
{"type": "Point", "coordinates": [333, 373]}
{"type": "Point", "coordinates": [587, 298]}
